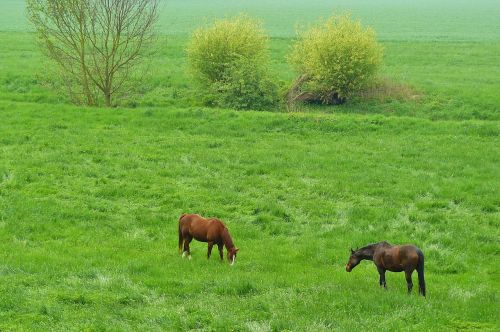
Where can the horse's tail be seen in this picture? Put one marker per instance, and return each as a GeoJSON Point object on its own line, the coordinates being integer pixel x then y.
{"type": "Point", "coordinates": [420, 270]}
{"type": "Point", "coordinates": [181, 238]}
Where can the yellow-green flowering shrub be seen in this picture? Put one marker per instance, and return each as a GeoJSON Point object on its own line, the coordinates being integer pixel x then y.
{"type": "Point", "coordinates": [336, 59]}
{"type": "Point", "coordinates": [229, 61]}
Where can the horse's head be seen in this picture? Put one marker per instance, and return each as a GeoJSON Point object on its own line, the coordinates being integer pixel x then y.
{"type": "Point", "coordinates": [354, 260]}
{"type": "Point", "coordinates": [231, 255]}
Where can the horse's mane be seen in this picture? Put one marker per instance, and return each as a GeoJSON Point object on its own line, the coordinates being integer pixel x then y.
{"type": "Point", "coordinates": [371, 245]}
{"type": "Point", "coordinates": [228, 241]}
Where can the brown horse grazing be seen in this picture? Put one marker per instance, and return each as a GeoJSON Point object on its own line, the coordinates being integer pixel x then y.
{"type": "Point", "coordinates": [405, 258]}
{"type": "Point", "coordinates": [211, 230]}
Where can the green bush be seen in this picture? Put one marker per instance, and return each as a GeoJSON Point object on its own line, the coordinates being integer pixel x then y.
{"type": "Point", "coordinates": [244, 86]}
{"type": "Point", "coordinates": [229, 61]}
{"type": "Point", "coordinates": [336, 59]}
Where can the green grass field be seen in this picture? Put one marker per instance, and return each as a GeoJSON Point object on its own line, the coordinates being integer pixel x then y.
{"type": "Point", "coordinates": [90, 197]}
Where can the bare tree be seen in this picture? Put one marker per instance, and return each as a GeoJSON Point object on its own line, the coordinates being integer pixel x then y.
{"type": "Point", "coordinates": [95, 43]}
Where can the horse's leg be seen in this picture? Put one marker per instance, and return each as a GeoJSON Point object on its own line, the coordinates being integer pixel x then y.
{"type": "Point", "coordinates": [210, 245]}
{"type": "Point", "coordinates": [409, 282]}
{"type": "Point", "coordinates": [381, 272]}
{"type": "Point", "coordinates": [221, 250]}
{"type": "Point", "coordinates": [187, 252]}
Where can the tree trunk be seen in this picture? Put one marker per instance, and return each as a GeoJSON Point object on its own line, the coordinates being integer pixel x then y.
{"type": "Point", "coordinates": [107, 98]}
{"type": "Point", "coordinates": [86, 89]}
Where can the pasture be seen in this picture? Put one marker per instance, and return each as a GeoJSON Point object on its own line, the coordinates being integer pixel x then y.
{"type": "Point", "coordinates": [90, 197]}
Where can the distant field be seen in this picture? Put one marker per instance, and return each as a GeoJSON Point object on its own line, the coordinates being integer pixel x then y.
{"type": "Point", "coordinates": [392, 19]}
{"type": "Point", "coordinates": [448, 51]}
{"type": "Point", "coordinates": [89, 198]}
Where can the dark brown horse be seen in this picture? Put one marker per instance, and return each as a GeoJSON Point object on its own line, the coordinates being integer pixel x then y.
{"type": "Point", "coordinates": [405, 258]}
{"type": "Point", "coordinates": [211, 230]}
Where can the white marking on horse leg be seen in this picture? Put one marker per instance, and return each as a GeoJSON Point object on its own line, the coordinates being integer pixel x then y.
{"type": "Point", "coordinates": [184, 254]}
{"type": "Point", "coordinates": [189, 257]}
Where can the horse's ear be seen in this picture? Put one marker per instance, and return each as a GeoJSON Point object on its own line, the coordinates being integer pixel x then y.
{"type": "Point", "coordinates": [352, 251]}
{"type": "Point", "coordinates": [237, 249]}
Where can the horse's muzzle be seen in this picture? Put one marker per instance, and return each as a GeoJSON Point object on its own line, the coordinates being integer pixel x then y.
{"type": "Point", "coordinates": [348, 268]}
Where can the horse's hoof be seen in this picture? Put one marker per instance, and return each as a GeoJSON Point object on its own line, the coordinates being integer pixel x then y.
{"type": "Point", "coordinates": [189, 257]}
